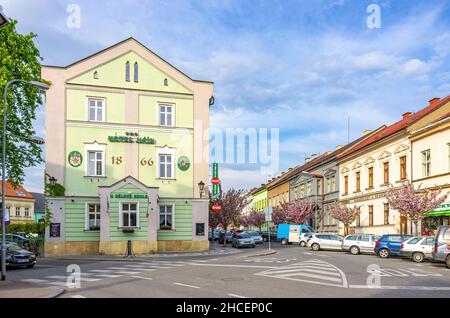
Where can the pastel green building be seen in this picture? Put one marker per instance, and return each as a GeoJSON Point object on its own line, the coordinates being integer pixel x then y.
{"type": "Point", "coordinates": [259, 198]}
{"type": "Point", "coordinates": [127, 138]}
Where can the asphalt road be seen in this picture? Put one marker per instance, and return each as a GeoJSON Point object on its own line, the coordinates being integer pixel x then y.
{"type": "Point", "coordinates": [292, 272]}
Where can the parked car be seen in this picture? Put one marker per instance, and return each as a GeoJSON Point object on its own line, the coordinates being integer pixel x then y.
{"type": "Point", "coordinates": [228, 235]}
{"type": "Point", "coordinates": [213, 235]}
{"type": "Point", "coordinates": [265, 235]}
{"type": "Point", "coordinates": [324, 241]}
{"type": "Point", "coordinates": [16, 256]}
{"type": "Point", "coordinates": [417, 248]}
{"type": "Point", "coordinates": [441, 250]}
{"type": "Point", "coordinates": [243, 240]}
{"type": "Point", "coordinates": [19, 239]}
{"type": "Point", "coordinates": [304, 237]}
{"type": "Point", "coordinates": [255, 236]}
{"type": "Point", "coordinates": [359, 243]}
{"type": "Point", "coordinates": [389, 244]}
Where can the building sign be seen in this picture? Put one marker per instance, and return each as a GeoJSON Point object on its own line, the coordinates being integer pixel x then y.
{"type": "Point", "coordinates": [183, 163]}
{"type": "Point", "coordinates": [443, 207]}
{"type": "Point", "coordinates": [55, 229]}
{"type": "Point", "coordinates": [128, 195]}
{"type": "Point", "coordinates": [131, 137]}
{"type": "Point", "coordinates": [75, 158]}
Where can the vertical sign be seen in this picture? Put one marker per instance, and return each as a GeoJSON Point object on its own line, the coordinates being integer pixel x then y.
{"type": "Point", "coordinates": [215, 187]}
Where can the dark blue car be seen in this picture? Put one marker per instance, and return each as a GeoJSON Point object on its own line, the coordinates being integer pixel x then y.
{"type": "Point", "coordinates": [389, 244]}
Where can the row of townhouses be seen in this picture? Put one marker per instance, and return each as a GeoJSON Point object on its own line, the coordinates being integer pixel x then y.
{"type": "Point", "coordinates": [415, 148]}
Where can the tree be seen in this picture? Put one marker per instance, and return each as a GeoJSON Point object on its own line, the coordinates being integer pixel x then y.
{"type": "Point", "coordinates": [244, 220]}
{"type": "Point", "coordinates": [279, 215]}
{"type": "Point", "coordinates": [20, 59]}
{"type": "Point", "coordinates": [413, 203]}
{"type": "Point", "coordinates": [293, 212]}
{"type": "Point", "coordinates": [256, 218]}
{"type": "Point", "coordinates": [345, 215]}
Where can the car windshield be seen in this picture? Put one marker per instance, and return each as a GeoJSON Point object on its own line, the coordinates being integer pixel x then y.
{"type": "Point", "coordinates": [253, 233]}
{"type": "Point", "coordinates": [15, 248]}
{"type": "Point", "coordinates": [243, 236]}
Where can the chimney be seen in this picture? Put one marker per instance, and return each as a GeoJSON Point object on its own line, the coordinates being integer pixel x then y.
{"type": "Point", "coordinates": [306, 159]}
{"type": "Point", "coordinates": [407, 114]}
{"type": "Point", "coordinates": [434, 101]}
{"type": "Point", "coordinates": [313, 156]}
{"type": "Point", "coordinates": [290, 169]}
{"type": "Point", "coordinates": [367, 131]}
{"type": "Point", "coordinates": [338, 147]}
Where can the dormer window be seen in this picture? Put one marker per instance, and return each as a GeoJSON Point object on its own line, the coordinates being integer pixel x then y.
{"type": "Point", "coordinates": [166, 82]}
{"type": "Point", "coordinates": [136, 72]}
{"type": "Point", "coordinates": [127, 71]}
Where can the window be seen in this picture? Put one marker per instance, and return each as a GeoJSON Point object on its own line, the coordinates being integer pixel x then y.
{"type": "Point", "coordinates": [386, 213]}
{"type": "Point", "coordinates": [166, 82]}
{"type": "Point", "coordinates": [165, 166]}
{"type": "Point", "coordinates": [351, 238]}
{"type": "Point", "coordinates": [333, 183]}
{"type": "Point", "coordinates": [93, 217]}
{"type": "Point", "coordinates": [166, 115]}
{"type": "Point", "coordinates": [426, 163]}
{"type": "Point", "coordinates": [414, 240]}
{"type": "Point", "coordinates": [96, 109]}
{"type": "Point", "coordinates": [199, 229]}
{"type": "Point", "coordinates": [345, 184]}
{"type": "Point", "coordinates": [165, 217]}
{"type": "Point", "coordinates": [136, 72]}
{"type": "Point", "coordinates": [95, 163]}
{"type": "Point", "coordinates": [428, 241]}
{"type": "Point", "coordinates": [17, 211]}
{"type": "Point", "coordinates": [319, 186]}
{"type": "Point", "coordinates": [370, 171]}
{"type": "Point", "coordinates": [308, 188]}
{"type": "Point", "coordinates": [328, 185]}
{"type": "Point", "coordinates": [370, 215]}
{"type": "Point", "coordinates": [386, 172]}
{"type": "Point", "coordinates": [358, 181]}
{"type": "Point", "coordinates": [364, 238]}
{"type": "Point", "coordinates": [27, 211]}
{"type": "Point", "coordinates": [129, 213]}
{"type": "Point", "coordinates": [127, 71]}
{"type": "Point", "coordinates": [395, 238]}
{"type": "Point", "coordinates": [403, 168]}
{"type": "Point", "coordinates": [95, 75]}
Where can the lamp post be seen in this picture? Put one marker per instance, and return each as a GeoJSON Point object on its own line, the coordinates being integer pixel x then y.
{"type": "Point", "coordinates": [201, 187]}
{"type": "Point", "coordinates": [52, 181]}
{"type": "Point", "coordinates": [42, 87]}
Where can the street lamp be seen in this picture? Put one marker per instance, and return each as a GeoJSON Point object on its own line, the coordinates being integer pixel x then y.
{"type": "Point", "coordinates": [42, 87]}
{"type": "Point", "coordinates": [201, 187]}
{"type": "Point", "coordinates": [52, 181]}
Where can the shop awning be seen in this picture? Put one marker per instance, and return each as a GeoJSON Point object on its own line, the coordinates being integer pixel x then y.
{"type": "Point", "coordinates": [437, 213]}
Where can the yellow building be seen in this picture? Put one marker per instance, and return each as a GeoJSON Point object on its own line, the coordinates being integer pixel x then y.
{"type": "Point", "coordinates": [19, 204]}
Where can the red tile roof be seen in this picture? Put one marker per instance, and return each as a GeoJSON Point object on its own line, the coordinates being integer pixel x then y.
{"type": "Point", "coordinates": [16, 193]}
{"type": "Point", "coordinates": [396, 127]}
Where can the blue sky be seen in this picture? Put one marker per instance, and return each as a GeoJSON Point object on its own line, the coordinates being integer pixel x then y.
{"type": "Point", "coordinates": [300, 66]}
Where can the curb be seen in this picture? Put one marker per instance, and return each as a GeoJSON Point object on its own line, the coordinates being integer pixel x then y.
{"type": "Point", "coordinates": [271, 252]}
{"type": "Point", "coordinates": [58, 292]}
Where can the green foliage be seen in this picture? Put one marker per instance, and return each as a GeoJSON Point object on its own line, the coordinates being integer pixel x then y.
{"type": "Point", "coordinates": [56, 190]}
{"type": "Point", "coordinates": [20, 59]}
{"type": "Point", "coordinates": [28, 228]}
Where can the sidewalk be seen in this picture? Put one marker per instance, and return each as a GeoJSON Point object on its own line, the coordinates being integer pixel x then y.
{"type": "Point", "coordinates": [18, 289]}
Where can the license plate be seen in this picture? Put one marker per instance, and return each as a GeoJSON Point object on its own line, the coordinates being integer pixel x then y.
{"type": "Point", "coordinates": [22, 261]}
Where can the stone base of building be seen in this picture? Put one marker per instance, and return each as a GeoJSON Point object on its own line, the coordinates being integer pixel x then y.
{"type": "Point", "coordinates": [120, 248]}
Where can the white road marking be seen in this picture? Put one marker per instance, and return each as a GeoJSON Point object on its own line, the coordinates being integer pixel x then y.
{"type": "Point", "coordinates": [231, 265]}
{"type": "Point", "coordinates": [140, 277]}
{"type": "Point", "coordinates": [304, 269]}
{"type": "Point", "coordinates": [401, 287]}
{"type": "Point", "coordinates": [108, 275]}
{"type": "Point", "coordinates": [126, 272]}
{"type": "Point", "coordinates": [321, 277]}
{"type": "Point", "coordinates": [77, 296]}
{"type": "Point", "coordinates": [64, 284]}
{"type": "Point", "coordinates": [33, 280]}
{"type": "Point", "coordinates": [185, 285]}
{"type": "Point", "coordinates": [101, 270]}
{"type": "Point", "coordinates": [236, 296]}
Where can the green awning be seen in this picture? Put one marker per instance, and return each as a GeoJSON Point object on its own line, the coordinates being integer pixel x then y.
{"type": "Point", "coordinates": [438, 213]}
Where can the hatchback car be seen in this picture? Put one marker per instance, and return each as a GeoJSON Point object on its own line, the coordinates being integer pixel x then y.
{"type": "Point", "coordinates": [324, 241]}
{"type": "Point", "coordinates": [441, 250]}
{"type": "Point", "coordinates": [255, 236]}
{"type": "Point", "coordinates": [16, 256]}
{"type": "Point", "coordinates": [243, 240]}
{"type": "Point", "coordinates": [389, 244]}
{"type": "Point", "coordinates": [417, 248]}
{"type": "Point", "coordinates": [265, 236]}
{"type": "Point", "coordinates": [359, 243]}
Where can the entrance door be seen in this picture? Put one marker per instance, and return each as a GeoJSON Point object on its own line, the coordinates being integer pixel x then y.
{"type": "Point", "coordinates": [403, 225]}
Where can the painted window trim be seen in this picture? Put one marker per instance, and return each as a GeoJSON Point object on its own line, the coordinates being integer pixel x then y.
{"type": "Point", "coordinates": [103, 99]}
{"type": "Point", "coordinates": [94, 147]}
{"type": "Point", "coordinates": [173, 216]}
{"type": "Point", "coordinates": [158, 113]}
{"type": "Point", "coordinates": [138, 221]}
{"type": "Point", "coordinates": [86, 215]}
{"type": "Point", "coordinates": [170, 152]}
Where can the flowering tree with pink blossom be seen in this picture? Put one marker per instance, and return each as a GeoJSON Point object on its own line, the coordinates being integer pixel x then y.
{"type": "Point", "coordinates": [345, 214]}
{"type": "Point", "coordinates": [413, 203]}
{"type": "Point", "coordinates": [256, 218]}
{"type": "Point", "coordinates": [244, 220]}
{"type": "Point", "coordinates": [293, 212]}
{"type": "Point", "coordinates": [279, 215]}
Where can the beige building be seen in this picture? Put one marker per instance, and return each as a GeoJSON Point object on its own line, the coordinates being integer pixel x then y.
{"type": "Point", "coordinates": [19, 204]}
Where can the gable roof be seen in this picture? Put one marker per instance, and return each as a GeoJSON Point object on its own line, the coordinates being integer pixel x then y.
{"type": "Point", "coordinates": [396, 127]}
{"type": "Point", "coordinates": [39, 203]}
{"type": "Point", "coordinates": [17, 193]}
{"type": "Point", "coordinates": [118, 44]}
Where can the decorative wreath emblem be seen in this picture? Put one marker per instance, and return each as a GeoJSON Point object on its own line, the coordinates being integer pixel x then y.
{"type": "Point", "coordinates": [75, 158]}
{"type": "Point", "coordinates": [184, 163]}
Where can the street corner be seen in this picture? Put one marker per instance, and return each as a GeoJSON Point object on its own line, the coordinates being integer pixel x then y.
{"type": "Point", "coordinates": [22, 289]}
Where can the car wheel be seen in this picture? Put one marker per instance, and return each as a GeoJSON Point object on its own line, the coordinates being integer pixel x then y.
{"type": "Point", "coordinates": [447, 261]}
{"type": "Point", "coordinates": [302, 244]}
{"type": "Point", "coordinates": [284, 242]}
{"type": "Point", "coordinates": [383, 253]}
{"type": "Point", "coordinates": [254, 246]}
{"type": "Point", "coordinates": [354, 250]}
{"type": "Point", "coordinates": [315, 247]}
{"type": "Point", "coordinates": [418, 257]}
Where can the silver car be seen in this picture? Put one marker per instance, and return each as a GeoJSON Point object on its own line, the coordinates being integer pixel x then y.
{"type": "Point", "coordinates": [441, 250]}
{"type": "Point", "coordinates": [417, 248]}
{"type": "Point", "coordinates": [323, 241]}
{"type": "Point", "coordinates": [359, 243]}
{"type": "Point", "coordinates": [255, 236]}
{"type": "Point", "coordinates": [242, 240]}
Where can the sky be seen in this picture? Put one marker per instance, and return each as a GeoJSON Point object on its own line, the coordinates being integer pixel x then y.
{"type": "Point", "coordinates": [302, 67]}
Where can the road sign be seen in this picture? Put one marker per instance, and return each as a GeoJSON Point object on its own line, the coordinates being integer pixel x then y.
{"type": "Point", "coordinates": [268, 213]}
{"type": "Point", "coordinates": [216, 207]}
{"type": "Point", "coordinates": [215, 180]}
{"type": "Point", "coordinates": [215, 186]}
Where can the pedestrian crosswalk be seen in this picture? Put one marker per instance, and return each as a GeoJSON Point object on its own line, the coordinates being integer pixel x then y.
{"type": "Point", "coordinates": [312, 271]}
{"type": "Point", "coordinates": [111, 272]}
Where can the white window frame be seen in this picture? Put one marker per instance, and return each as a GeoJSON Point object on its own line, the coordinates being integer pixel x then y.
{"type": "Point", "coordinates": [96, 99]}
{"type": "Point", "coordinates": [172, 106]}
{"type": "Point", "coordinates": [17, 210]}
{"type": "Point", "coordinates": [166, 151]}
{"type": "Point", "coordinates": [426, 164]}
{"type": "Point", "coordinates": [121, 203]}
{"type": "Point", "coordinates": [27, 211]}
{"type": "Point", "coordinates": [86, 215]}
{"type": "Point", "coordinates": [98, 148]}
{"type": "Point", "coordinates": [173, 216]}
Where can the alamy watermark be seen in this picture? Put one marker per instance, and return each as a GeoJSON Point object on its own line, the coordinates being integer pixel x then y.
{"type": "Point", "coordinates": [374, 19]}
{"type": "Point", "coordinates": [73, 20]}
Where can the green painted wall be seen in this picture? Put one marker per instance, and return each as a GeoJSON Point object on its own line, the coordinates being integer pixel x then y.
{"type": "Point", "coordinates": [149, 110]}
{"type": "Point", "coordinates": [117, 234]}
{"type": "Point", "coordinates": [260, 200]}
{"type": "Point", "coordinates": [183, 221]}
{"type": "Point", "coordinates": [112, 74]}
{"type": "Point", "coordinates": [74, 222]}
